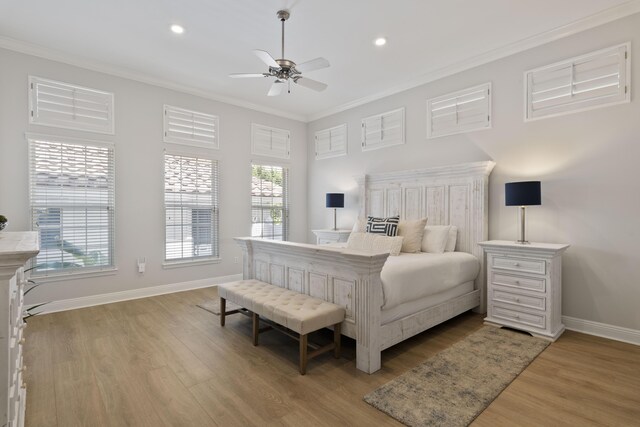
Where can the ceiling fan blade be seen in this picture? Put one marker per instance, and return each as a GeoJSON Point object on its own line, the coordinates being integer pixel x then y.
{"type": "Point", "coordinates": [266, 58]}
{"type": "Point", "coordinates": [311, 84]}
{"type": "Point", "coordinates": [314, 64]}
{"type": "Point", "coordinates": [276, 88]}
{"type": "Point", "coordinates": [246, 75]}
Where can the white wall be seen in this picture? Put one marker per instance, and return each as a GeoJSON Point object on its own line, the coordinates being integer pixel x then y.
{"type": "Point", "coordinates": [139, 173]}
{"type": "Point", "coordinates": [588, 164]}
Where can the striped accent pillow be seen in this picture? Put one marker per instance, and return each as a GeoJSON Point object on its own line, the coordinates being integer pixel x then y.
{"type": "Point", "coordinates": [386, 226]}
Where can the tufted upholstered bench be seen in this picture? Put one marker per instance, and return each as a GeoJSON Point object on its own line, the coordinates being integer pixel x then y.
{"type": "Point", "coordinates": [295, 311]}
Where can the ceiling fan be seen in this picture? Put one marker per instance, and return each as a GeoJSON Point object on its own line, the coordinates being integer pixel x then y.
{"type": "Point", "coordinates": [285, 70]}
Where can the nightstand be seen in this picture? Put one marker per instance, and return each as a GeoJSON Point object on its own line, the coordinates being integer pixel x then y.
{"type": "Point", "coordinates": [324, 237]}
{"type": "Point", "coordinates": [524, 286]}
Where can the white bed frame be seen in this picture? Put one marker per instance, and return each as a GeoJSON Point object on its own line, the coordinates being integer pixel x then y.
{"type": "Point", "coordinates": [456, 195]}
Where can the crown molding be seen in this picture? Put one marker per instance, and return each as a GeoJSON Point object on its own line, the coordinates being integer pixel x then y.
{"type": "Point", "coordinates": [58, 56]}
{"type": "Point", "coordinates": [592, 21]}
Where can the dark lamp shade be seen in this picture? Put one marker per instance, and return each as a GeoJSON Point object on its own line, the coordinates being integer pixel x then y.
{"type": "Point", "coordinates": [335, 200]}
{"type": "Point", "coordinates": [526, 193]}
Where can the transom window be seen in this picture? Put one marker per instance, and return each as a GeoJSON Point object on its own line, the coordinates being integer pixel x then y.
{"type": "Point", "coordinates": [269, 202]}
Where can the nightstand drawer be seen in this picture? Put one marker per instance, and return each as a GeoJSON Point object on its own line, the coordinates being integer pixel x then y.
{"type": "Point", "coordinates": [326, 241]}
{"type": "Point", "coordinates": [514, 316]}
{"type": "Point", "coordinates": [527, 301]}
{"type": "Point", "coordinates": [526, 265]}
{"type": "Point", "coordinates": [521, 282]}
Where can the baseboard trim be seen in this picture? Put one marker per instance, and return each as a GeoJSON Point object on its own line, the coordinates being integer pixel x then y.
{"type": "Point", "coordinates": [617, 333]}
{"type": "Point", "coordinates": [93, 300]}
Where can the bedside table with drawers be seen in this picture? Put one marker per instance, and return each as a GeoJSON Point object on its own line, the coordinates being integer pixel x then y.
{"type": "Point", "coordinates": [524, 286]}
{"type": "Point", "coordinates": [324, 237]}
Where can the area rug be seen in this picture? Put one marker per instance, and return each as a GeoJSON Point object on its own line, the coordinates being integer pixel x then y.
{"type": "Point", "coordinates": [456, 385]}
{"type": "Point", "coordinates": [213, 306]}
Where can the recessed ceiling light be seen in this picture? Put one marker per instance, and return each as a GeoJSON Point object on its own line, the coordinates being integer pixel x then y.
{"type": "Point", "coordinates": [380, 41]}
{"type": "Point", "coordinates": [178, 29]}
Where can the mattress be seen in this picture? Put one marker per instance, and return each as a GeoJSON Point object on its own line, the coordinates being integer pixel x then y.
{"type": "Point", "coordinates": [410, 277]}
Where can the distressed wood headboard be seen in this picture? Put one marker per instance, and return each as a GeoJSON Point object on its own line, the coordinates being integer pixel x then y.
{"type": "Point", "coordinates": [447, 195]}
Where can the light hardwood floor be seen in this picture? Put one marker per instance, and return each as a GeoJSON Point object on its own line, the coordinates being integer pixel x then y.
{"type": "Point", "coordinates": [162, 361]}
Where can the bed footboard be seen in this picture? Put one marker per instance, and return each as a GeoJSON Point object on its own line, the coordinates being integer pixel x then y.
{"type": "Point", "coordinates": [341, 276]}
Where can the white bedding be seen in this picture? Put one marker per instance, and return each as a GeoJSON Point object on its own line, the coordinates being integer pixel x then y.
{"type": "Point", "coordinates": [409, 277]}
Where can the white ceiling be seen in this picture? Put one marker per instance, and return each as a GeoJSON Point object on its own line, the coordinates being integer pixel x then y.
{"type": "Point", "coordinates": [423, 37]}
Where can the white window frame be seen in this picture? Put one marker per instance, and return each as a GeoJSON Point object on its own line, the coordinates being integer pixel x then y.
{"type": "Point", "coordinates": [207, 259]}
{"type": "Point", "coordinates": [332, 153]}
{"type": "Point", "coordinates": [36, 119]}
{"type": "Point", "coordinates": [624, 83]}
{"type": "Point", "coordinates": [286, 208]}
{"type": "Point", "coordinates": [212, 120]}
{"type": "Point", "coordinates": [256, 152]}
{"type": "Point", "coordinates": [82, 272]}
{"type": "Point", "coordinates": [485, 87]}
{"type": "Point", "coordinates": [391, 143]}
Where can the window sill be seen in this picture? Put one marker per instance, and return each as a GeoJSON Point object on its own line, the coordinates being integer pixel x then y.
{"type": "Point", "coordinates": [60, 277]}
{"type": "Point", "coordinates": [191, 262]}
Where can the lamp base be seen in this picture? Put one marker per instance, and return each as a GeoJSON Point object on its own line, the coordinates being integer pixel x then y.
{"type": "Point", "coordinates": [523, 242]}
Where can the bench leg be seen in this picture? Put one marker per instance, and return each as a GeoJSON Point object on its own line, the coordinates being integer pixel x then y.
{"type": "Point", "coordinates": [303, 354]}
{"type": "Point", "coordinates": [337, 340]}
{"type": "Point", "coordinates": [223, 308]}
{"type": "Point", "coordinates": [256, 327]}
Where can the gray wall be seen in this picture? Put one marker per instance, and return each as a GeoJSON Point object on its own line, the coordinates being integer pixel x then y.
{"type": "Point", "coordinates": [588, 164]}
{"type": "Point", "coordinates": [139, 173]}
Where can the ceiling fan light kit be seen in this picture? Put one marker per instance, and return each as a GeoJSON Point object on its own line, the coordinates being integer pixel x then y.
{"type": "Point", "coordinates": [285, 70]}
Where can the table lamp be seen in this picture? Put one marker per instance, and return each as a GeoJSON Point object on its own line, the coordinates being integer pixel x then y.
{"type": "Point", "coordinates": [335, 200]}
{"type": "Point", "coordinates": [523, 194]}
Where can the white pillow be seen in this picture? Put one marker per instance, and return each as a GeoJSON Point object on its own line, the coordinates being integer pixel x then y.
{"type": "Point", "coordinates": [435, 238]}
{"type": "Point", "coordinates": [451, 241]}
{"type": "Point", "coordinates": [412, 232]}
{"type": "Point", "coordinates": [360, 225]}
{"type": "Point", "coordinates": [375, 243]}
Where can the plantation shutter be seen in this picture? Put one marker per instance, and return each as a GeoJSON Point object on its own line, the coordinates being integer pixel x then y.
{"type": "Point", "coordinates": [72, 205]}
{"type": "Point", "coordinates": [270, 142]}
{"type": "Point", "coordinates": [191, 207]}
{"type": "Point", "coordinates": [383, 130]}
{"type": "Point", "coordinates": [69, 106]}
{"type": "Point", "coordinates": [270, 202]}
{"type": "Point", "coordinates": [589, 81]}
{"type": "Point", "coordinates": [190, 127]}
{"type": "Point", "coordinates": [331, 142]}
{"type": "Point", "coordinates": [462, 111]}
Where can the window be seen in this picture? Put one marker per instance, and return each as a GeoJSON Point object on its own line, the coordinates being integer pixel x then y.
{"type": "Point", "coordinates": [191, 208]}
{"type": "Point", "coordinates": [270, 142]}
{"type": "Point", "coordinates": [383, 130]}
{"type": "Point", "coordinates": [458, 112]}
{"type": "Point", "coordinates": [269, 202]}
{"type": "Point", "coordinates": [190, 127]}
{"type": "Point", "coordinates": [331, 142]}
{"type": "Point", "coordinates": [69, 106]}
{"type": "Point", "coordinates": [72, 204]}
{"type": "Point", "coordinates": [589, 81]}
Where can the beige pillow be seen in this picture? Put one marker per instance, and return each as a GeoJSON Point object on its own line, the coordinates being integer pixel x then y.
{"type": "Point", "coordinates": [375, 243]}
{"type": "Point", "coordinates": [360, 225]}
{"type": "Point", "coordinates": [452, 239]}
{"type": "Point", "coordinates": [435, 238]}
{"type": "Point", "coordinates": [412, 231]}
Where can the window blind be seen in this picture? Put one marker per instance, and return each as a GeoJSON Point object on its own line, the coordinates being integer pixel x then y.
{"type": "Point", "coordinates": [383, 130]}
{"type": "Point", "coordinates": [331, 142]}
{"type": "Point", "coordinates": [191, 207]}
{"type": "Point", "coordinates": [72, 205]}
{"type": "Point", "coordinates": [269, 202]}
{"type": "Point", "coordinates": [462, 111]}
{"type": "Point", "coordinates": [70, 106]}
{"type": "Point", "coordinates": [270, 142]}
{"type": "Point", "coordinates": [589, 81]}
{"type": "Point", "coordinates": [190, 127]}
